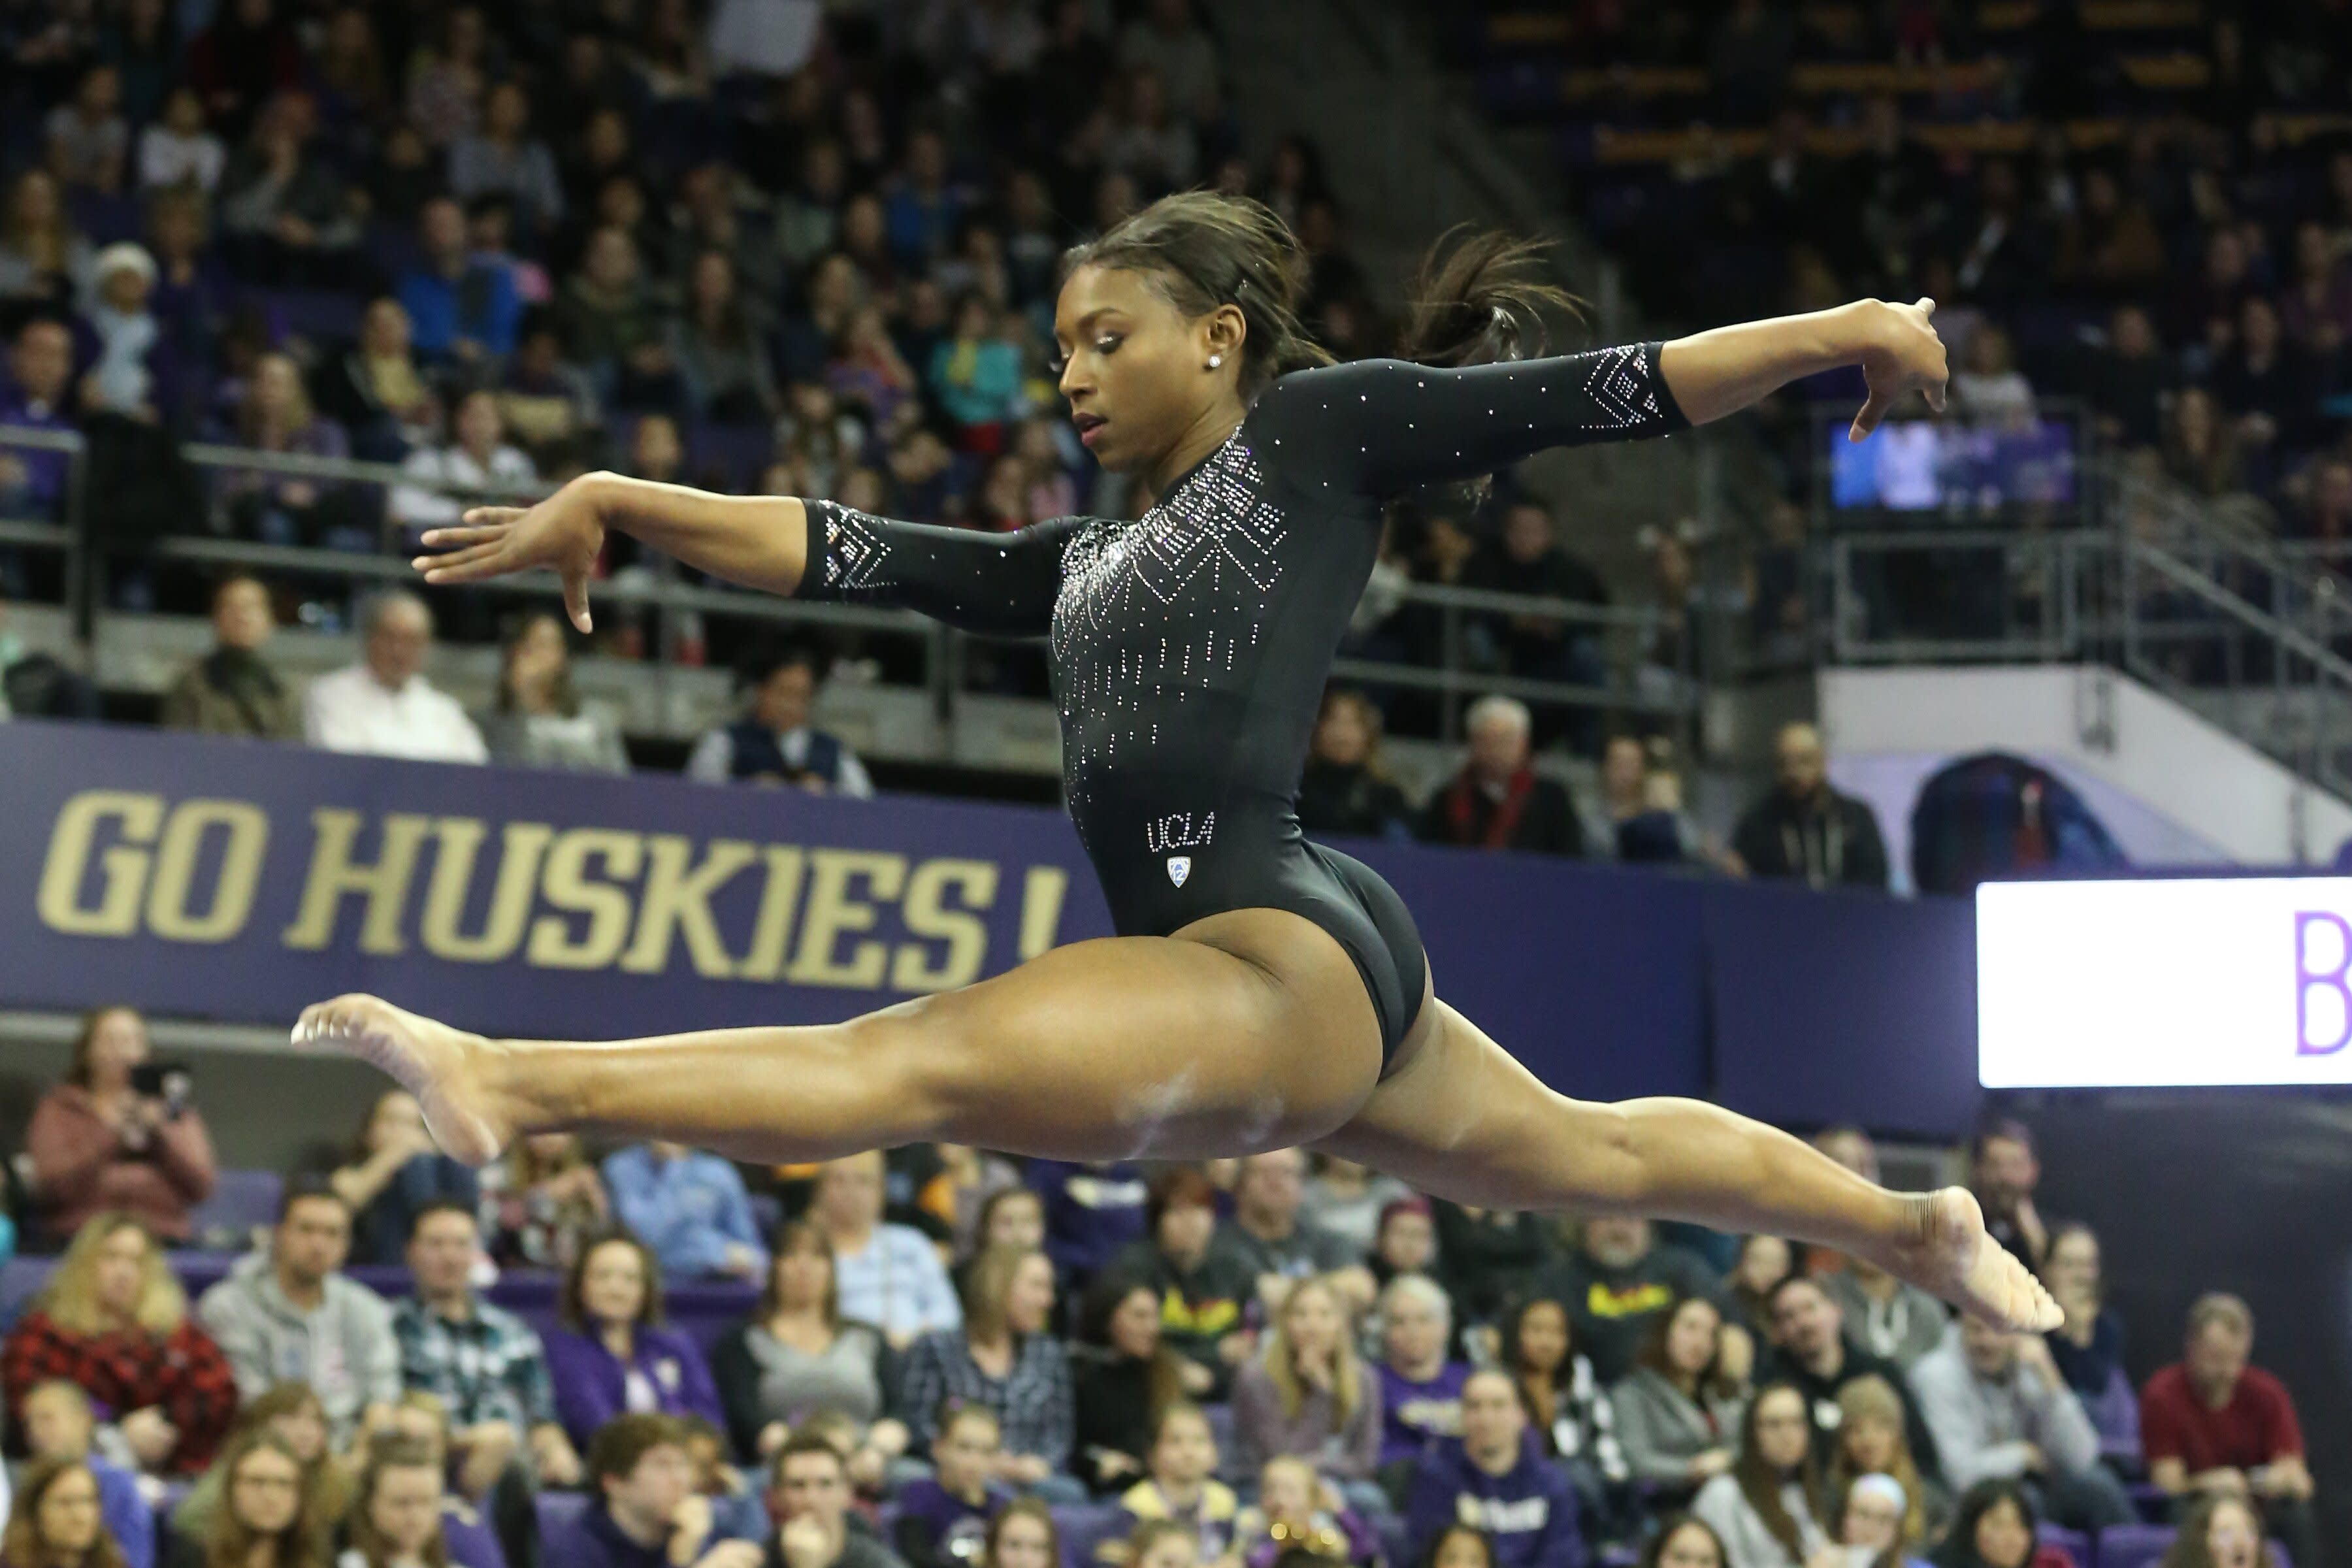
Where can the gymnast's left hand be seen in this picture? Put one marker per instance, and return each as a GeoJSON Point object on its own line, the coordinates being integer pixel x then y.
{"type": "Point", "coordinates": [565, 533]}
{"type": "Point", "coordinates": [1900, 354]}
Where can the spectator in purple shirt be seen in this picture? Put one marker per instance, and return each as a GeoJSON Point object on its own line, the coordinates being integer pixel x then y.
{"type": "Point", "coordinates": [1421, 1390]}
{"type": "Point", "coordinates": [612, 1355]}
{"type": "Point", "coordinates": [40, 370]}
{"type": "Point", "coordinates": [943, 1518]}
{"type": "Point", "coordinates": [645, 1512]}
{"type": "Point", "coordinates": [1092, 1210]}
{"type": "Point", "coordinates": [1492, 1477]}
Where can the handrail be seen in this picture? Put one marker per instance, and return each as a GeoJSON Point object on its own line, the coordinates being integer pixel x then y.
{"type": "Point", "coordinates": [210, 455]}
{"type": "Point", "coordinates": [302, 465]}
{"type": "Point", "coordinates": [627, 590]}
{"type": "Point", "coordinates": [2188, 577]}
{"type": "Point", "coordinates": [662, 592]}
{"type": "Point", "coordinates": [34, 435]}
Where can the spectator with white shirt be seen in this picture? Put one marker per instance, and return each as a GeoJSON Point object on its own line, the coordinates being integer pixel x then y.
{"type": "Point", "coordinates": [478, 460]}
{"type": "Point", "coordinates": [773, 742]}
{"type": "Point", "coordinates": [384, 706]}
{"type": "Point", "coordinates": [887, 1274]}
{"type": "Point", "coordinates": [177, 150]}
{"type": "Point", "coordinates": [2000, 1410]}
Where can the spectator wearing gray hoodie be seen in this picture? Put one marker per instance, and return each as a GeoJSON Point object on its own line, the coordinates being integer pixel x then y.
{"type": "Point", "coordinates": [290, 1313]}
{"type": "Point", "coordinates": [1999, 1410]}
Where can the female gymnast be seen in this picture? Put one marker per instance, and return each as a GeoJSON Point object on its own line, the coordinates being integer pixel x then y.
{"type": "Point", "coordinates": [1263, 992]}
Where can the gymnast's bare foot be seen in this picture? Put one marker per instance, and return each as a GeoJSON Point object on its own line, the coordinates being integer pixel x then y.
{"type": "Point", "coordinates": [1949, 1253]}
{"type": "Point", "coordinates": [440, 1066]}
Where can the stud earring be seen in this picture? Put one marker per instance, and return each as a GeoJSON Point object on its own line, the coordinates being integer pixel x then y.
{"type": "Point", "coordinates": [1216, 360]}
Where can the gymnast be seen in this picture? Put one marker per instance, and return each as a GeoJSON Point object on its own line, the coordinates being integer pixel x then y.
{"type": "Point", "coordinates": [1263, 992]}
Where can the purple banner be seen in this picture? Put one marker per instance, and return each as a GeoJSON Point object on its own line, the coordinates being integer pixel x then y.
{"type": "Point", "coordinates": [239, 882]}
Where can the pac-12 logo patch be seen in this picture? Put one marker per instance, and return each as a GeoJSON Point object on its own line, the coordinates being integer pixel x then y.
{"type": "Point", "coordinates": [1179, 868]}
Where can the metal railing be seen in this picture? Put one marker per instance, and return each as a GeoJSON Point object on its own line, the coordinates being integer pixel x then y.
{"type": "Point", "coordinates": [94, 568]}
{"type": "Point", "coordinates": [2253, 633]}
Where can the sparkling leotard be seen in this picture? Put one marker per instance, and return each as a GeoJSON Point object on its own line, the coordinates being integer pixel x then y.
{"type": "Point", "coordinates": [1190, 647]}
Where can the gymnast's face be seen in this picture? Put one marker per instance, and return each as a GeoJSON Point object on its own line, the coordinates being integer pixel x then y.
{"type": "Point", "coordinates": [1135, 369]}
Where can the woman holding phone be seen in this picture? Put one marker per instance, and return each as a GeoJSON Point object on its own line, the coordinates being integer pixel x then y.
{"type": "Point", "coordinates": [118, 1134]}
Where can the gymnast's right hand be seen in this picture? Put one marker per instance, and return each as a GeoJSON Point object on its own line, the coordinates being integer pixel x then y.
{"type": "Point", "coordinates": [565, 533]}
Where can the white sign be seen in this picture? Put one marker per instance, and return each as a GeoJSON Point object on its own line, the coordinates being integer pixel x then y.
{"type": "Point", "coordinates": [2130, 983]}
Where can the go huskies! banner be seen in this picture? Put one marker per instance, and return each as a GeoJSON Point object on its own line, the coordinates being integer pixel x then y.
{"type": "Point", "coordinates": [240, 881]}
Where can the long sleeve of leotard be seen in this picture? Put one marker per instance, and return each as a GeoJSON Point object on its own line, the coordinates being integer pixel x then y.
{"type": "Point", "coordinates": [1000, 584]}
{"type": "Point", "coordinates": [1377, 427]}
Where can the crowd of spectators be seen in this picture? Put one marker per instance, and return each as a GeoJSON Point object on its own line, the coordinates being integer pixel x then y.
{"type": "Point", "coordinates": [2171, 247]}
{"type": "Point", "coordinates": [939, 1358]}
{"type": "Point", "coordinates": [809, 253]}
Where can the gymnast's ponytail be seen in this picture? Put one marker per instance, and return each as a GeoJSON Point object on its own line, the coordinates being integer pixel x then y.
{"type": "Point", "coordinates": [1478, 298]}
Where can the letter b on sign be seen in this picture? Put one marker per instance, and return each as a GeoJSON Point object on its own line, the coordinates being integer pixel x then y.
{"type": "Point", "coordinates": [2322, 999]}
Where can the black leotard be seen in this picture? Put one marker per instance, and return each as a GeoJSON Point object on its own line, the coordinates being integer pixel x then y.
{"type": "Point", "coordinates": [1190, 647]}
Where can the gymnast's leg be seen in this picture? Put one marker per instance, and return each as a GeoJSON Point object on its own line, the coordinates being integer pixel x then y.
{"type": "Point", "coordinates": [1249, 1031]}
{"type": "Point", "coordinates": [1460, 1118]}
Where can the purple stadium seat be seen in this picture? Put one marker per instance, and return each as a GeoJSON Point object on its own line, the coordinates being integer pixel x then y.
{"type": "Point", "coordinates": [2134, 1545]}
{"type": "Point", "coordinates": [2073, 1542]}
{"type": "Point", "coordinates": [2154, 1504]}
{"type": "Point", "coordinates": [240, 1201]}
{"type": "Point", "coordinates": [559, 1510]}
{"type": "Point", "coordinates": [731, 455]}
{"type": "Point", "coordinates": [1221, 1428]}
{"type": "Point", "coordinates": [1396, 1541]}
{"type": "Point", "coordinates": [325, 316]}
{"type": "Point", "coordinates": [21, 1279]}
{"type": "Point", "coordinates": [1086, 1527]}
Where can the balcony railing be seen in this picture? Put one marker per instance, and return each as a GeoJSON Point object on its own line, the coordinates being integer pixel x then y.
{"type": "Point", "coordinates": [95, 572]}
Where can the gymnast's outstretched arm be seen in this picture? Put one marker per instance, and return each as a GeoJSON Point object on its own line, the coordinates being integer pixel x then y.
{"type": "Point", "coordinates": [1380, 427]}
{"type": "Point", "coordinates": [999, 584]}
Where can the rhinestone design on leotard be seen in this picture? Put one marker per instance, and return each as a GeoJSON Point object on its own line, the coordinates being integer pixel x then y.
{"type": "Point", "coordinates": [1189, 649]}
{"type": "Point", "coordinates": [1186, 586]}
{"type": "Point", "coordinates": [1626, 394]}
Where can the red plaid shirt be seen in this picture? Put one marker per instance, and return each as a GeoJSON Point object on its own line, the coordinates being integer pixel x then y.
{"type": "Point", "coordinates": [184, 1374]}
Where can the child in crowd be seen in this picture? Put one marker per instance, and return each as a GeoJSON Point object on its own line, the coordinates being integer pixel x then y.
{"type": "Point", "coordinates": [1181, 1486]}
{"type": "Point", "coordinates": [396, 1516]}
{"type": "Point", "coordinates": [1296, 1510]}
{"type": "Point", "coordinates": [943, 1518]}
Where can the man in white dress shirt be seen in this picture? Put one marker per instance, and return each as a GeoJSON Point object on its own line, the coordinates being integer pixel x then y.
{"type": "Point", "coordinates": [384, 706]}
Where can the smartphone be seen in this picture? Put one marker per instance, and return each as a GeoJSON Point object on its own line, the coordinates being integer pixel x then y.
{"type": "Point", "coordinates": [167, 1081]}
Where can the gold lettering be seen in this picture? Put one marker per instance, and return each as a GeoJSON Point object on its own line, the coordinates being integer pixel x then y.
{"type": "Point", "coordinates": [926, 915]}
{"type": "Point", "coordinates": [122, 869]}
{"type": "Point", "coordinates": [779, 897]}
{"type": "Point", "coordinates": [335, 876]}
{"type": "Point", "coordinates": [677, 901]}
{"type": "Point", "coordinates": [567, 887]}
{"type": "Point", "coordinates": [1041, 908]}
{"type": "Point", "coordinates": [832, 910]}
{"type": "Point", "coordinates": [168, 915]}
{"type": "Point", "coordinates": [510, 896]}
